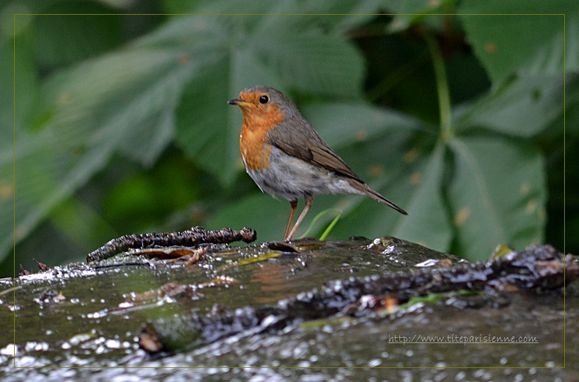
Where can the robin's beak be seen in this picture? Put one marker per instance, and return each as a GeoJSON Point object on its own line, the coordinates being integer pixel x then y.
{"type": "Point", "coordinates": [238, 102]}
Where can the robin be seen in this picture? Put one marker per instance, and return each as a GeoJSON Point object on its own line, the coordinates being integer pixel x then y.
{"type": "Point", "coordinates": [287, 158]}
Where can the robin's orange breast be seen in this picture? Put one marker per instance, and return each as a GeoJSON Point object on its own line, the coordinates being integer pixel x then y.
{"type": "Point", "coordinates": [252, 139]}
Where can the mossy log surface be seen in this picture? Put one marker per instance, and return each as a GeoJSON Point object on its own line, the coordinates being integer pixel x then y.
{"type": "Point", "coordinates": [361, 307]}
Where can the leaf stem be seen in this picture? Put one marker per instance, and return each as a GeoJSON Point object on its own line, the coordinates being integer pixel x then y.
{"type": "Point", "coordinates": [330, 227]}
{"type": "Point", "coordinates": [446, 131]}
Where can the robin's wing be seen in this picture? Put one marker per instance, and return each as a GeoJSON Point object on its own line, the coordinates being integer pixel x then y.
{"type": "Point", "coordinates": [327, 158]}
{"type": "Point", "coordinates": [298, 139]}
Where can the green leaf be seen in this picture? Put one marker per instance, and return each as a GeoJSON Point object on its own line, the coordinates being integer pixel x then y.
{"type": "Point", "coordinates": [86, 36]}
{"type": "Point", "coordinates": [338, 16]}
{"type": "Point", "coordinates": [343, 123]}
{"type": "Point", "coordinates": [312, 62]}
{"type": "Point", "coordinates": [146, 143]}
{"type": "Point", "coordinates": [95, 108]}
{"type": "Point", "coordinates": [497, 195]}
{"type": "Point", "coordinates": [352, 13]}
{"type": "Point", "coordinates": [526, 44]}
{"type": "Point", "coordinates": [522, 107]}
{"type": "Point", "coordinates": [415, 12]}
{"type": "Point", "coordinates": [25, 73]}
{"type": "Point", "coordinates": [427, 222]}
{"type": "Point", "coordinates": [217, 6]}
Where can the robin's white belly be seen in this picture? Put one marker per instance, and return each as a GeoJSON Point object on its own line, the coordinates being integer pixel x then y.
{"type": "Point", "coordinates": [292, 178]}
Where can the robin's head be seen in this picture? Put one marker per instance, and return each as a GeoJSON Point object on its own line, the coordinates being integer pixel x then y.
{"type": "Point", "coordinates": [262, 103]}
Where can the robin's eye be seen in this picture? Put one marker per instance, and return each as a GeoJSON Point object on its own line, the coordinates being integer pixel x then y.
{"type": "Point", "coordinates": [263, 99]}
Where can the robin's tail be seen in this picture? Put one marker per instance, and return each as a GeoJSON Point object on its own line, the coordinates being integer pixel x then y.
{"type": "Point", "coordinates": [364, 188]}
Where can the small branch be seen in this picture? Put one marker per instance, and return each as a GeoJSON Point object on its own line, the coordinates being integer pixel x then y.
{"type": "Point", "coordinates": [191, 237]}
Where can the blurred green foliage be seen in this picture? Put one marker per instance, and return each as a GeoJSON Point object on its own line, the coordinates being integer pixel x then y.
{"type": "Point", "coordinates": [121, 125]}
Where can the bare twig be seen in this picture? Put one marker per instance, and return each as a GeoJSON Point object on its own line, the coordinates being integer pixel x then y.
{"type": "Point", "coordinates": [191, 237]}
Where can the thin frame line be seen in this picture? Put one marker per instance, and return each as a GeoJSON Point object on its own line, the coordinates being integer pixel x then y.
{"type": "Point", "coordinates": [14, 15]}
{"type": "Point", "coordinates": [564, 186]}
{"type": "Point", "coordinates": [14, 184]}
{"type": "Point", "coordinates": [296, 367]}
{"type": "Point", "coordinates": [288, 14]}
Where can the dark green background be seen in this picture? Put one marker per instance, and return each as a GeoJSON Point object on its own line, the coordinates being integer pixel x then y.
{"type": "Point", "coordinates": [120, 122]}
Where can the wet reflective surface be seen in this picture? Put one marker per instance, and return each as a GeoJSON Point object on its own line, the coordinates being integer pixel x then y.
{"type": "Point", "coordinates": [83, 322]}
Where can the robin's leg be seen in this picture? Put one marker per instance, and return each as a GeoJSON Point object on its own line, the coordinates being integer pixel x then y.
{"type": "Point", "coordinates": [293, 206]}
{"type": "Point", "coordinates": [308, 205]}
